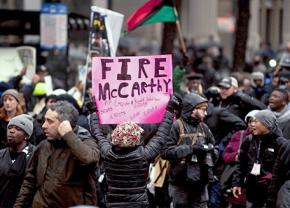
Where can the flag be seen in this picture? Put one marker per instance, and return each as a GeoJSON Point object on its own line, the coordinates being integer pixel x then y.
{"type": "Point", "coordinates": [151, 12]}
{"type": "Point", "coordinates": [105, 31]}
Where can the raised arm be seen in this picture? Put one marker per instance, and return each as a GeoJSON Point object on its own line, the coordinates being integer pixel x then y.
{"type": "Point", "coordinates": [96, 131]}
{"type": "Point", "coordinates": [155, 145]}
{"type": "Point", "coordinates": [80, 142]}
{"type": "Point", "coordinates": [104, 142]}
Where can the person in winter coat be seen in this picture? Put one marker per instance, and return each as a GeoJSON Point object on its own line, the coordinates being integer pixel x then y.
{"type": "Point", "coordinates": [231, 158]}
{"type": "Point", "coordinates": [126, 163]}
{"type": "Point", "coordinates": [231, 152]}
{"type": "Point", "coordinates": [279, 105]}
{"type": "Point", "coordinates": [191, 154]}
{"type": "Point", "coordinates": [61, 172]}
{"type": "Point", "coordinates": [235, 101]}
{"type": "Point", "coordinates": [222, 123]}
{"type": "Point", "coordinates": [278, 195]}
{"type": "Point", "coordinates": [13, 159]}
{"type": "Point", "coordinates": [256, 159]}
{"type": "Point", "coordinates": [258, 85]}
{"type": "Point", "coordinates": [11, 107]}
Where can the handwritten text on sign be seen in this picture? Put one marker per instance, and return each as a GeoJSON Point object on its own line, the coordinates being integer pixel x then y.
{"type": "Point", "coordinates": [132, 88]}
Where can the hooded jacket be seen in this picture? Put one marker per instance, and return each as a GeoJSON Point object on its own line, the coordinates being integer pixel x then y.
{"type": "Point", "coordinates": [178, 150]}
{"type": "Point", "coordinates": [259, 91]}
{"type": "Point", "coordinates": [189, 102]}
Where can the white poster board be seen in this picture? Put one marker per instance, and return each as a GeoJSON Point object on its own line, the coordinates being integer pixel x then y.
{"type": "Point", "coordinates": [27, 55]}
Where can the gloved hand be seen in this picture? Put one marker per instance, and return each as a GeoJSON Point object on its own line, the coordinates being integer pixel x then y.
{"type": "Point", "coordinates": [173, 104]}
{"type": "Point", "coordinates": [91, 105]}
{"type": "Point", "coordinates": [200, 150]}
{"type": "Point", "coordinates": [265, 179]}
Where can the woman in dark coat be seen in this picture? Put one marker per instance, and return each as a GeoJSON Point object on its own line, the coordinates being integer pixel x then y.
{"type": "Point", "coordinates": [126, 163]}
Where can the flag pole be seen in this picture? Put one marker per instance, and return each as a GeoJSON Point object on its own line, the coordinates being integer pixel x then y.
{"type": "Point", "coordinates": [180, 34]}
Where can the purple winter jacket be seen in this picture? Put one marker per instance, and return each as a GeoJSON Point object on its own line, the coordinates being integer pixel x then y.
{"type": "Point", "coordinates": [231, 149]}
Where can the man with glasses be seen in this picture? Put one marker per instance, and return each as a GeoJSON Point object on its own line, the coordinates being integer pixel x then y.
{"type": "Point", "coordinates": [191, 154]}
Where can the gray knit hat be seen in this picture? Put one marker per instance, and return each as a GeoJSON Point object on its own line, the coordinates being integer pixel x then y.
{"type": "Point", "coordinates": [267, 118]}
{"type": "Point", "coordinates": [24, 122]}
{"type": "Point", "coordinates": [251, 114]}
{"type": "Point", "coordinates": [11, 92]}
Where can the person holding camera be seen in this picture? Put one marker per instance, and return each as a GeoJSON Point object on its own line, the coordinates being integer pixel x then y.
{"type": "Point", "coordinates": [191, 154]}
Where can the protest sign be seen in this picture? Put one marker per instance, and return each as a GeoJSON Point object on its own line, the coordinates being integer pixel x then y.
{"type": "Point", "coordinates": [48, 85]}
{"type": "Point", "coordinates": [10, 64]}
{"type": "Point", "coordinates": [27, 55]}
{"type": "Point", "coordinates": [105, 30]}
{"type": "Point", "coordinates": [132, 88]}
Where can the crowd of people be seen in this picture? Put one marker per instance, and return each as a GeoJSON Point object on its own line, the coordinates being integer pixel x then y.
{"type": "Point", "coordinates": [223, 142]}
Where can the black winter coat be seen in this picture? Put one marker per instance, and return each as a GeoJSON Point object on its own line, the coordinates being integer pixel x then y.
{"type": "Point", "coordinates": [180, 152]}
{"type": "Point", "coordinates": [223, 123]}
{"type": "Point", "coordinates": [126, 169]}
{"type": "Point", "coordinates": [240, 104]}
{"type": "Point", "coordinates": [281, 174]}
{"type": "Point", "coordinates": [256, 187]}
{"type": "Point", "coordinates": [185, 163]}
{"type": "Point", "coordinates": [12, 174]}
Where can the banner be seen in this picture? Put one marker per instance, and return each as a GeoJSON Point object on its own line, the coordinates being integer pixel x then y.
{"type": "Point", "coordinates": [105, 31]}
{"type": "Point", "coordinates": [53, 26]}
{"type": "Point", "coordinates": [10, 64]}
{"type": "Point", "coordinates": [27, 55]}
{"type": "Point", "coordinates": [132, 88]}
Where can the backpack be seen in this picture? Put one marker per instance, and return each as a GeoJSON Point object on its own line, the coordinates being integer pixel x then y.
{"type": "Point", "coordinates": [160, 165]}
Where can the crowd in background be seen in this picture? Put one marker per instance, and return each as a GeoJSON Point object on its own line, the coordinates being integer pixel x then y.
{"type": "Point", "coordinates": [228, 147]}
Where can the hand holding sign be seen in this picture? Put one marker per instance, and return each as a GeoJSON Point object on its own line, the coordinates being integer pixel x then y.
{"type": "Point", "coordinates": [92, 106]}
{"type": "Point", "coordinates": [27, 56]}
{"type": "Point", "coordinates": [173, 104]}
{"type": "Point", "coordinates": [132, 88]}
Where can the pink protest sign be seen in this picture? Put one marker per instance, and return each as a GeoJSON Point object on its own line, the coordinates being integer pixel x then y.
{"type": "Point", "coordinates": [132, 88]}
